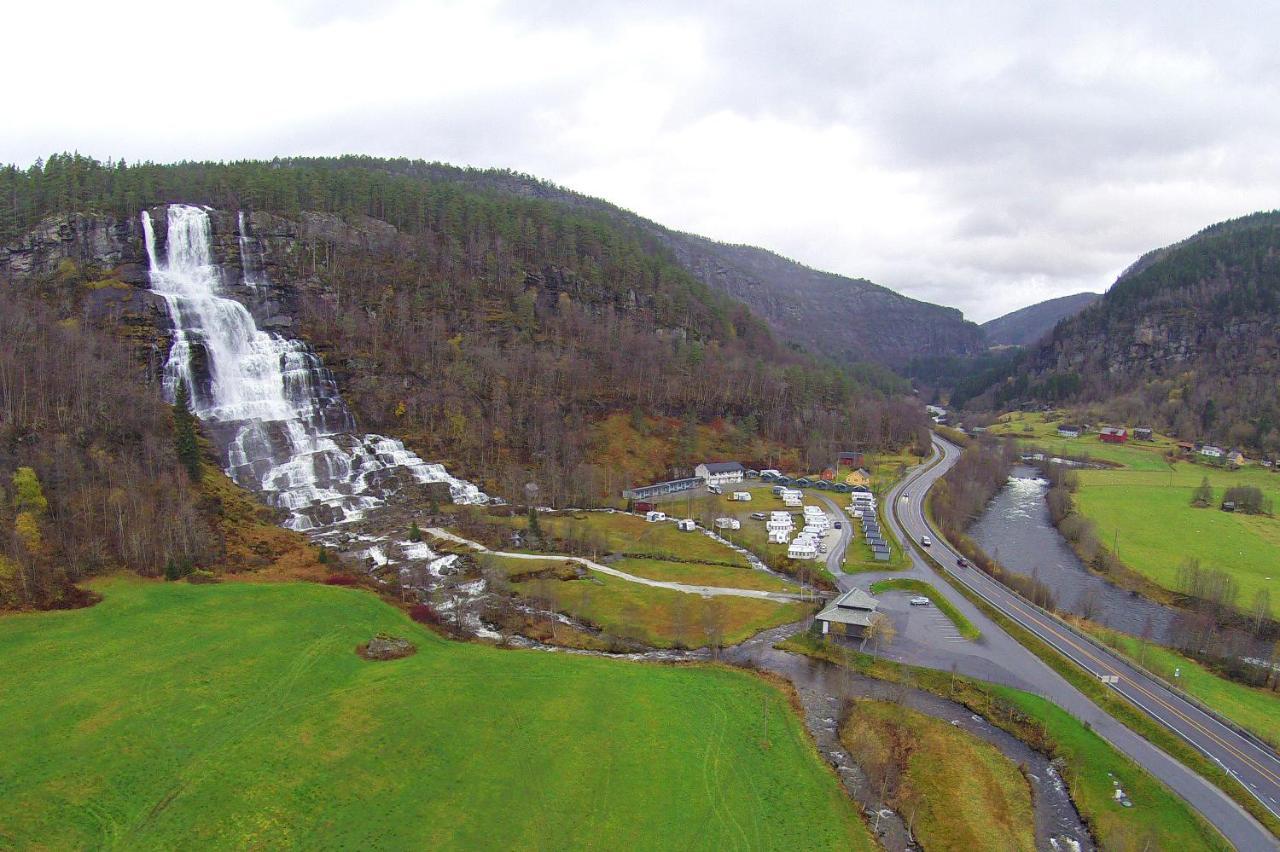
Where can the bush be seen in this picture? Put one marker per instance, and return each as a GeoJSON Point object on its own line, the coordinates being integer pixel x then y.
{"type": "Point", "coordinates": [202, 577]}
{"type": "Point", "coordinates": [424, 614]}
{"type": "Point", "coordinates": [341, 580]}
{"type": "Point", "coordinates": [1248, 499]}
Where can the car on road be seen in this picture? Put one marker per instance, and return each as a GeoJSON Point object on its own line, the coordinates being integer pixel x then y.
{"type": "Point", "coordinates": [919, 600]}
{"type": "Point", "coordinates": [962, 562]}
{"type": "Point", "coordinates": [838, 525]}
{"type": "Point", "coordinates": [904, 497]}
{"type": "Point", "coordinates": [925, 540]}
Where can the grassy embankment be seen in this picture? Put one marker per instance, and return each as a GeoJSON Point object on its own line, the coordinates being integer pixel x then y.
{"type": "Point", "coordinates": [1144, 509]}
{"type": "Point", "coordinates": [1090, 766]}
{"type": "Point", "coordinates": [945, 606]}
{"type": "Point", "coordinates": [958, 792]}
{"type": "Point", "coordinates": [1256, 710]}
{"type": "Point", "coordinates": [237, 715]}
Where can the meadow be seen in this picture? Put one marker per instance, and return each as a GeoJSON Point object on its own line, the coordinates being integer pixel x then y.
{"type": "Point", "coordinates": [1143, 509]}
{"type": "Point", "coordinates": [961, 792]}
{"type": "Point", "coordinates": [239, 716]}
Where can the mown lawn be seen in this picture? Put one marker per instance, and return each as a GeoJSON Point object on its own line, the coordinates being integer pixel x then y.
{"type": "Point", "coordinates": [664, 618]}
{"type": "Point", "coordinates": [961, 791]}
{"type": "Point", "coordinates": [1257, 710]}
{"type": "Point", "coordinates": [238, 716]}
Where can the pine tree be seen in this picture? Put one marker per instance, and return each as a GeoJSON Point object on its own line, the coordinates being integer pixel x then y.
{"type": "Point", "coordinates": [415, 534]}
{"type": "Point", "coordinates": [535, 529]}
{"type": "Point", "coordinates": [184, 432]}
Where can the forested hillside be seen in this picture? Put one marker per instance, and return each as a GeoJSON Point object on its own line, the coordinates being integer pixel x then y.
{"type": "Point", "coordinates": [845, 319]}
{"type": "Point", "coordinates": [1188, 339]}
{"type": "Point", "coordinates": [513, 338]}
{"type": "Point", "coordinates": [1026, 326]}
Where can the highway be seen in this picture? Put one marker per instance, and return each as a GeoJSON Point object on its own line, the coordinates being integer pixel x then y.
{"type": "Point", "coordinates": [997, 656]}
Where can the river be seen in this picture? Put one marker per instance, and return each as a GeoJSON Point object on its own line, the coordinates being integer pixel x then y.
{"type": "Point", "coordinates": [1016, 531]}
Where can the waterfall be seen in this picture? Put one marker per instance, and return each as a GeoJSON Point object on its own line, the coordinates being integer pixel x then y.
{"type": "Point", "coordinates": [269, 401]}
{"type": "Point", "coordinates": [244, 251]}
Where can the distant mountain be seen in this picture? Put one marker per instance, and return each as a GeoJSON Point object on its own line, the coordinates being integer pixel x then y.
{"type": "Point", "coordinates": [1188, 338]}
{"type": "Point", "coordinates": [1025, 326]}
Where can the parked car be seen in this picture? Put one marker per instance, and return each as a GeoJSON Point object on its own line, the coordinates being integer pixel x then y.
{"type": "Point", "coordinates": [838, 525]}
{"type": "Point", "coordinates": [919, 600]}
{"type": "Point", "coordinates": [962, 562]}
{"type": "Point", "coordinates": [925, 540]}
{"type": "Point", "coordinates": [758, 516]}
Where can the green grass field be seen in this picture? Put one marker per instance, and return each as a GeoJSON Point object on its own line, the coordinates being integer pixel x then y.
{"type": "Point", "coordinates": [1257, 710]}
{"type": "Point", "coordinates": [1158, 820]}
{"type": "Point", "coordinates": [1145, 508]}
{"type": "Point", "coordinates": [663, 618]}
{"type": "Point", "coordinates": [238, 716]}
{"type": "Point", "coordinates": [1148, 515]}
{"type": "Point", "coordinates": [920, 587]}
{"type": "Point", "coordinates": [858, 557]}
{"type": "Point", "coordinates": [619, 532]}
{"type": "Point", "coordinates": [963, 793]}
{"type": "Point", "coordinates": [699, 574]}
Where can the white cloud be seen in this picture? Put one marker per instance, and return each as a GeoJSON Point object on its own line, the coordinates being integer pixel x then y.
{"type": "Point", "coordinates": [975, 154]}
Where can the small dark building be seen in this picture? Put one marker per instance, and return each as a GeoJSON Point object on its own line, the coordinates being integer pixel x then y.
{"type": "Point", "coordinates": [1143, 433]}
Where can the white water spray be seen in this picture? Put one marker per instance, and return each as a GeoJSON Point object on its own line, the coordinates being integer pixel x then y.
{"type": "Point", "coordinates": [268, 399]}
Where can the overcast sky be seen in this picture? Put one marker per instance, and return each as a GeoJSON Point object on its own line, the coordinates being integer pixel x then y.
{"type": "Point", "coordinates": [981, 155]}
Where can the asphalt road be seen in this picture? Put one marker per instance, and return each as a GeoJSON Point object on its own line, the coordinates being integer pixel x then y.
{"type": "Point", "coordinates": [998, 657]}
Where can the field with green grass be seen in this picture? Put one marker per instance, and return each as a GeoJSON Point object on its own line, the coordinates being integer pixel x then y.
{"type": "Point", "coordinates": [238, 716]}
{"type": "Point", "coordinates": [699, 574]}
{"type": "Point", "coordinates": [1257, 710]}
{"type": "Point", "coordinates": [630, 535]}
{"type": "Point", "coordinates": [663, 618]}
{"type": "Point", "coordinates": [1144, 508]}
{"type": "Point", "coordinates": [858, 557]}
{"type": "Point", "coordinates": [1091, 767]}
{"type": "Point", "coordinates": [962, 792]}
{"type": "Point", "coordinates": [920, 587]}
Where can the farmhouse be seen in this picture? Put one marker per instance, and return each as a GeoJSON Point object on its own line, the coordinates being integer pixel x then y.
{"type": "Point", "coordinates": [1067, 431]}
{"type": "Point", "coordinates": [849, 459]}
{"type": "Point", "coordinates": [1113, 434]}
{"type": "Point", "coordinates": [848, 615]}
{"type": "Point", "coordinates": [1209, 451]}
{"type": "Point", "coordinates": [718, 473]}
{"type": "Point", "coordinates": [658, 489]}
{"type": "Point", "coordinates": [1235, 457]}
{"type": "Point", "coordinates": [858, 477]}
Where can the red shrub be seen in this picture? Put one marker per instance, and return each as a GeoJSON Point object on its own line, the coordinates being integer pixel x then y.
{"type": "Point", "coordinates": [424, 614]}
{"type": "Point", "coordinates": [341, 580]}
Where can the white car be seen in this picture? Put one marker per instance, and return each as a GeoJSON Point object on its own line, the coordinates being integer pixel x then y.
{"type": "Point", "coordinates": [925, 540]}
{"type": "Point", "coordinates": [919, 600]}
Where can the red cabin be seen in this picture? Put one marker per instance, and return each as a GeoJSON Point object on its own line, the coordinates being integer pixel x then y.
{"type": "Point", "coordinates": [1113, 434]}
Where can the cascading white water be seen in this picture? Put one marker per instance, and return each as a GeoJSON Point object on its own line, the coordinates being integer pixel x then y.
{"type": "Point", "coordinates": [268, 399]}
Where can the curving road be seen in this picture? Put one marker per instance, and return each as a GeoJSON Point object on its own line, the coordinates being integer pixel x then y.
{"type": "Point", "coordinates": [997, 656]}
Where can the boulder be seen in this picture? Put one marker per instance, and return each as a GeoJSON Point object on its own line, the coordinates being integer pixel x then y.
{"type": "Point", "coordinates": [386, 647]}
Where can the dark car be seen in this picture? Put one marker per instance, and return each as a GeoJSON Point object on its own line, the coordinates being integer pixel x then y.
{"type": "Point", "coordinates": [962, 562]}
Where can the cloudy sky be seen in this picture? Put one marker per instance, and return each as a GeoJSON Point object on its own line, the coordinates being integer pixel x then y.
{"type": "Point", "coordinates": [981, 155]}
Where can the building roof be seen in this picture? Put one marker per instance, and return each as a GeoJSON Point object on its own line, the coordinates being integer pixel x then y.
{"type": "Point", "coordinates": [1113, 430]}
{"type": "Point", "coordinates": [722, 467]}
{"type": "Point", "coordinates": [853, 607]}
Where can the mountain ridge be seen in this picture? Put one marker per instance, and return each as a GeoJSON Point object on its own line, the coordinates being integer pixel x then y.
{"type": "Point", "coordinates": [1027, 325]}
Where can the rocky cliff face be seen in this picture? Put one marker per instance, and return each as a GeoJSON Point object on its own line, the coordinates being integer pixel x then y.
{"type": "Point", "coordinates": [1188, 338]}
